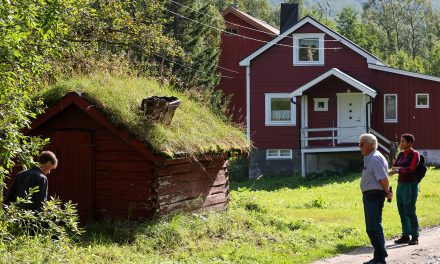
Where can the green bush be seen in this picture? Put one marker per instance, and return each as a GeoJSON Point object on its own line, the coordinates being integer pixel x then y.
{"type": "Point", "coordinates": [238, 168]}
{"type": "Point", "coordinates": [55, 220]}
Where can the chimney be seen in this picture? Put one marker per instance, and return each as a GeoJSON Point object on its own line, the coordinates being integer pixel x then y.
{"type": "Point", "coordinates": [289, 16]}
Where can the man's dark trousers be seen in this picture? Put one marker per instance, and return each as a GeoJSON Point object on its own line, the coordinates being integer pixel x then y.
{"type": "Point", "coordinates": [373, 205]}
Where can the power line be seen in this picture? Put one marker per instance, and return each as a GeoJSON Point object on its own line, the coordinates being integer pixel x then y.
{"type": "Point", "coordinates": [238, 25]}
{"type": "Point", "coordinates": [238, 35]}
{"type": "Point", "coordinates": [184, 66]}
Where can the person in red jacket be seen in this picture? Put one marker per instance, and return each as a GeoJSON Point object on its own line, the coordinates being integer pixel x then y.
{"type": "Point", "coordinates": [407, 190]}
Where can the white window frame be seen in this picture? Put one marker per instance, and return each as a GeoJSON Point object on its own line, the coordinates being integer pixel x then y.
{"type": "Point", "coordinates": [384, 109]}
{"type": "Point", "coordinates": [422, 106]}
{"type": "Point", "coordinates": [279, 154]}
{"type": "Point", "coordinates": [316, 102]}
{"type": "Point", "coordinates": [268, 121]}
{"type": "Point", "coordinates": [296, 61]}
{"type": "Point", "coordinates": [229, 33]}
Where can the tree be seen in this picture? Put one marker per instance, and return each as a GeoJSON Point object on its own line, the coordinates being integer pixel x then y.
{"type": "Point", "coordinates": [256, 8]}
{"type": "Point", "coordinates": [408, 25]}
{"type": "Point", "coordinates": [31, 33]}
{"type": "Point", "coordinates": [402, 60]}
{"type": "Point", "coordinates": [196, 26]}
{"type": "Point", "coordinates": [349, 24]}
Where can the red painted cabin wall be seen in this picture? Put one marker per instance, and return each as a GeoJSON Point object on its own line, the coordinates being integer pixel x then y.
{"type": "Point", "coordinates": [233, 50]}
{"type": "Point", "coordinates": [122, 176]}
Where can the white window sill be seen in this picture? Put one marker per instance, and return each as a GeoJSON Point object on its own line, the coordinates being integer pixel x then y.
{"type": "Point", "coordinates": [308, 64]}
{"type": "Point", "coordinates": [280, 124]}
{"type": "Point", "coordinates": [390, 121]}
{"type": "Point", "coordinates": [278, 158]}
{"type": "Point", "coordinates": [422, 106]}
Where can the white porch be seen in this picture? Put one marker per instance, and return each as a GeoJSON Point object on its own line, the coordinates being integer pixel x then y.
{"type": "Point", "coordinates": [352, 115]}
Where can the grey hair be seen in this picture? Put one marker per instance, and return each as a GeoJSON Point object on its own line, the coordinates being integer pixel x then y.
{"type": "Point", "coordinates": [369, 139]}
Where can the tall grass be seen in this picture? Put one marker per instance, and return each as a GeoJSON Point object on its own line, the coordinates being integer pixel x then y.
{"type": "Point", "coordinates": [194, 129]}
{"type": "Point", "coordinates": [277, 220]}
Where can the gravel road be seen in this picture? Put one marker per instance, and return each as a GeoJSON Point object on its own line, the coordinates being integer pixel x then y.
{"type": "Point", "coordinates": [426, 252]}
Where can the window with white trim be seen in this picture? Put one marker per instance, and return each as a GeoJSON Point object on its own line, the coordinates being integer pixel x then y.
{"type": "Point", "coordinates": [321, 104]}
{"type": "Point", "coordinates": [308, 49]}
{"type": "Point", "coordinates": [390, 108]}
{"type": "Point", "coordinates": [279, 110]}
{"type": "Point", "coordinates": [422, 100]}
{"type": "Point", "coordinates": [231, 31]}
{"type": "Point", "coordinates": [278, 154]}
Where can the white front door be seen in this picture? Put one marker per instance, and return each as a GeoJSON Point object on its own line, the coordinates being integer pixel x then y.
{"type": "Point", "coordinates": [351, 117]}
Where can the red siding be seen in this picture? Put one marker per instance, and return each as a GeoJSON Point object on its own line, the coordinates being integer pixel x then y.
{"type": "Point", "coordinates": [423, 123]}
{"type": "Point", "coordinates": [122, 177]}
{"type": "Point", "coordinates": [273, 72]}
{"type": "Point", "coordinates": [233, 50]}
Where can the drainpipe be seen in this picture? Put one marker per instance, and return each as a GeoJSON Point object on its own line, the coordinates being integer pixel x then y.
{"type": "Point", "coordinates": [366, 116]}
{"type": "Point", "coordinates": [299, 126]}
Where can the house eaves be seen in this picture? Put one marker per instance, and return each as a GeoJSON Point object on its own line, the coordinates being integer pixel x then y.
{"type": "Point", "coordinates": [365, 89]}
{"type": "Point", "coordinates": [259, 24]}
{"type": "Point", "coordinates": [370, 58]}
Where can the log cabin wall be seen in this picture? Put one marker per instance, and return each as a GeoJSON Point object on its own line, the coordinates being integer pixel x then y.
{"type": "Point", "coordinates": [188, 185]}
{"type": "Point", "coordinates": [121, 177]}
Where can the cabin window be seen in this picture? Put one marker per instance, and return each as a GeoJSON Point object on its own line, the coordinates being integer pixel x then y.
{"type": "Point", "coordinates": [422, 100]}
{"type": "Point", "coordinates": [321, 104]}
{"type": "Point", "coordinates": [231, 31]}
{"type": "Point", "coordinates": [278, 154]}
{"type": "Point", "coordinates": [308, 49]}
{"type": "Point", "coordinates": [279, 110]}
{"type": "Point", "coordinates": [390, 108]}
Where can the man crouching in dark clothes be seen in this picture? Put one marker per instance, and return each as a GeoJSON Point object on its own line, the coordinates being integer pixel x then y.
{"type": "Point", "coordinates": [31, 178]}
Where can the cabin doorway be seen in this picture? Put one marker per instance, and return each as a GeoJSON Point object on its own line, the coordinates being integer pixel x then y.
{"type": "Point", "coordinates": [73, 178]}
{"type": "Point", "coordinates": [351, 117]}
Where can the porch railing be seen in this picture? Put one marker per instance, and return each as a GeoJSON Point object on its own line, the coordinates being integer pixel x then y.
{"type": "Point", "coordinates": [335, 136]}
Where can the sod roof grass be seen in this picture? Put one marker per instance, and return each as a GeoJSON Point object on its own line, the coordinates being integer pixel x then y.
{"type": "Point", "coordinates": [194, 130]}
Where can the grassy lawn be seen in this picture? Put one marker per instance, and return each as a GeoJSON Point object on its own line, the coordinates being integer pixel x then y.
{"type": "Point", "coordinates": [278, 220]}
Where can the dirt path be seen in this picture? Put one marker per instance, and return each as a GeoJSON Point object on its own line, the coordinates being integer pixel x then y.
{"type": "Point", "coordinates": [427, 252]}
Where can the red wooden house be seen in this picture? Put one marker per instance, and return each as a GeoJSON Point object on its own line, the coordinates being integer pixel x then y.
{"type": "Point", "coordinates": [338, 91]}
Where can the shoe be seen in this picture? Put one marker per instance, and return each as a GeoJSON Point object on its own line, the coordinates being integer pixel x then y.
{"type": "Point", "coordinates": [371, 261]}
{"type": "Point", "coordinates": [402, 240]}
{"type": "Point", "coordinates": [414, 241]}
{"type": "Point", "coordinates": [379, 262]}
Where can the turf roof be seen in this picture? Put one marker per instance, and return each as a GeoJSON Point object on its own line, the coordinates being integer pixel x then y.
{"type": "Point", "coordinates": [194, 130]}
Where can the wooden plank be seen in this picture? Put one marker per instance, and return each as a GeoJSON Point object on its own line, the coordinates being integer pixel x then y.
{"type": "Point", "coordinates": [117, 204]}
{"type": "Point", "coordinates": [169, 162]}
{"type": "Point", "coordinates": [191, 194]}
{"type": "Point", "coordinates": [123, 195]}
{"type": "Point", "coordinates": [194, 204]}
{"type": "Point", "coordinates": [118, 185]}
{"type": "Point", "coordinates": [119, 156]}
{"type": "Point", "coordinates": [211, 174]}
{"type": "Point", "coordinates": [169, 188]}
{"type": "Point", "coordinates": [124, 175]}
{"type": "Point", "coordinates": [190, 167]}
{"type": "Point", "coordinates": [123, 166]}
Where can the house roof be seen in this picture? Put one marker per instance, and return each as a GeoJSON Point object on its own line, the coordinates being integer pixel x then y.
{"type": "Point", "coordinates": [194, 130]}
{"type": "Point", "coordinates": [402, 72]}
{"type": "Point", "coordinates": [259, 24]}
{"type": "Point", "coordinates": [365, 89]}
{"type": "Point", "coordinates": [370, 58]}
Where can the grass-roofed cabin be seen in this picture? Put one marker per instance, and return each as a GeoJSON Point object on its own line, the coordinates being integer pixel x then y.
{"type": "Point", "coordinates": [116, 163]}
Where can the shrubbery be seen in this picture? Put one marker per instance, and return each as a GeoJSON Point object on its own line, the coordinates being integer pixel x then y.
{"type": "Point", "coordinates": [56, 220]}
